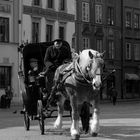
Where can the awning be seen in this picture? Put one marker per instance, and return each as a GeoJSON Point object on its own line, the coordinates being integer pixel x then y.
{"type": "Point", "coordinates": [131, 76]}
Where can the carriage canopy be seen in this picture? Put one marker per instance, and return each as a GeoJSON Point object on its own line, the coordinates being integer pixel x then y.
{"type": "Point", "coordinates": [37, 51]}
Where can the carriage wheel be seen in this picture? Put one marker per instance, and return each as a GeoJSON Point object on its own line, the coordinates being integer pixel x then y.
{"type": "Point", "coordinates": [41, 116]}
{"type": "Point", "coordinates": [26, 121]}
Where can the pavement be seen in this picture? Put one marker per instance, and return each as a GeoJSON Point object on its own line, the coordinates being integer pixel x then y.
{"type": "Point", "coordinates": [120, 122]}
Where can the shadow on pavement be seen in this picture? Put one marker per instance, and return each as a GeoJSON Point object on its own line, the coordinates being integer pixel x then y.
{"type": "Point", "coordinates": [120, 132]}
{"type": "Point", "coordinates": [106, 133]}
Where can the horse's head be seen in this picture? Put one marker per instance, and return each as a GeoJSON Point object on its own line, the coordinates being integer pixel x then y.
{"type": "Point", "coordinates": [90, 62]}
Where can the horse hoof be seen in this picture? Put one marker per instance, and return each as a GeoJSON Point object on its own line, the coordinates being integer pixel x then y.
{"type": "Point", "coordinates": [57, 126]}
{"type": "Point", "coordinates": [75, 137]}
{"type": "Point", "coordinates": [94, 134]}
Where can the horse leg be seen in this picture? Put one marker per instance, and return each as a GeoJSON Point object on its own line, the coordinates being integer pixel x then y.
{"type": "Point", "coordinates": [95, 118]}
{"type": "Point", "coordinates": [75, 119]}
{"type": "Point", "coordinates": [60, 108]}
{"type": "Point", "coordinates": [85, 116]}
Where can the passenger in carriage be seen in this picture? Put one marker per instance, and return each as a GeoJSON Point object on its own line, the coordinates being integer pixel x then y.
{"type": "Point", "coordinates": [32, 87]}
{"type": "Point", "coordinates": [55, 56]}
{"type": "Point", "coordinates": [33, 72]}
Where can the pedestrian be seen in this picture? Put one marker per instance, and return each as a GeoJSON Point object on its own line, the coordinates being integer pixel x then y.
{"type": "Point", "coordinates": [114, 94]}
{"type": "Point", "coordinates": [3, 102]}
{"type": "Point", "coordinates": [9, 96]}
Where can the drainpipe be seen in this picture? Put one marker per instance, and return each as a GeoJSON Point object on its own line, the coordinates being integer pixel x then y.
{"type": "Point", "coordinates": [20, 2]}
{"type": "Point", "coordinates": [77, 24]}
{"type": "Point", "coordinates": [122, 52]}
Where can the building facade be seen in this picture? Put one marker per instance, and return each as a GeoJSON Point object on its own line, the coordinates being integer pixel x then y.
{"type": "Point", "coordinates": [8, 45]}
{"type": "Point", "coordinates": [46, 20]}
{"type": "Point", "coordinates": [131, 48]}
{"type": "Point", "coordinates": [30, 21]}
{"type": "Point", "coordinates": [100, 25]}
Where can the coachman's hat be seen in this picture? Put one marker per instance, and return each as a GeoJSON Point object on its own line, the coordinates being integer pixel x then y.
{"type": "Point", "coordinates": [58, 40]}
{"type": "Point", "coordinates": [33, 60]}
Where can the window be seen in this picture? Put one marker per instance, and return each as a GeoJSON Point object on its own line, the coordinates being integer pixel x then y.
{"type": "Point", "coordinates": [132, 86]}
{"type": "Point", "coordinates": [62, 5]}
{"type": "Point", "coordinates": [99, 43]}
{"type": "Point", "coordinates": [86, 43]}
{"type": "Point", "coordinates": [128, 50]}
{"type": "Point", "coordinates": [137, 51]}
{"type": "Point", "coordinates": [99, 1]}
{"type": "Point", "coordinates": [50, 3]}
{"type": "Point", "coordinates": [98, 13]}
{"type": "Point", "coordinates": [35, 32]}
{"type": "Point", "coordinates": [62, 32]}
{"type": "Point", "coordinates": [85, 11]}
{"type": "Point", "coordinates": [4, 29]}
{"type": "Point", "coordinates": [49, 32]}
{"type": "Point", "coordinates": [128, 20]}
{"type": "Point", "coordinates": [136, 21]}
{"type": "Point", "coordinates": [74, 42]}
{"type": "Point", "coordinates": [111, 49]}
{"type": "Point", "coordinates": [110, 16]}
{"type": "Point", "coordinates": [5, 76]}
{"type": "Point", "coordinates": [5, 8]}
{"type": "Point", "coordinates": [36, 2]}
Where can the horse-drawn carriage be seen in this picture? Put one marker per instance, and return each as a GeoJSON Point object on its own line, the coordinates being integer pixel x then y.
{"type": "Point", "coordinates": [32, 94]}
{"type": "Point", "coordinates": [80, 87]}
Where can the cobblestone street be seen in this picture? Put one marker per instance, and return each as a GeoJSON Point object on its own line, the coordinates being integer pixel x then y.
{"type": "Point", "coordinates": [120, 122]}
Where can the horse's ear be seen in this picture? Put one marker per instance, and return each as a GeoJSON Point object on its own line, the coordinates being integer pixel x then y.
{"type": "Point", "coordinates": [90, 55]}
{"type": "Point", "coordinates": [102, 54]}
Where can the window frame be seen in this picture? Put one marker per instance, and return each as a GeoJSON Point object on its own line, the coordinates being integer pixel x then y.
{"type": "Point", "coordinates": [137, 52]}
{"type": "Point", "coordinates": [38, 32]}
{"type": "Point", "coordinates": [128, 51]}
{"type": "Point", "coordinates": [100, 46]}
{"type": "Point", "coordinates": [111, 49]}
{"type": "Point", "coordinates": [6, 26]}
{"type": "Point", "coordinates": [62, 25]}
{"type": "Point", "coordinates": [128, 20]}
{"type": "Point", "coordinates": [6, 80]}
{"type": "Point", "coordinates": [86, 43]}
{"type": "Point", "coordinates": [52, 31]}
{"type": "Point", "coordinates": [85, 12]}
{"type": "Point", "coordinates": [52, 4]}
{"type": "Point", "coordinates": [36, 4]}
{"type": "Point", "coordinates": [110, 15]}
{"type": "Point", "coordinates": [98, 13]}
{"type": "Point", "coordinates": [62, 5]}
{"type": "Point", "coordinates": [136, 21]}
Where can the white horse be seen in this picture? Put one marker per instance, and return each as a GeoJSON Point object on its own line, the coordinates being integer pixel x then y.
{"type": "Point", "coordinates": [82, 85]}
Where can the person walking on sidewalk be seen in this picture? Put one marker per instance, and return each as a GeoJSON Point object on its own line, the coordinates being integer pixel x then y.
{"type": "Point", "coordinates": [9, 96]}
{"type": "Point", "coordinates": [114, 94]}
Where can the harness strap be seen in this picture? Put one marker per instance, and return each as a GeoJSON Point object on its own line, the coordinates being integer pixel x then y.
{"type": "Point", "coordinates": [79, 75]}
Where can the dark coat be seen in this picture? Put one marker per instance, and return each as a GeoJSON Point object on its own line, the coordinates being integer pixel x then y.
{"type": "Point", "coordinates": [56, 57]}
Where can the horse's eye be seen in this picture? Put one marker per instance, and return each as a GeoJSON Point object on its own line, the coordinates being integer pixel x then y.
{"type": "Point", "coordinates": [89, 66]}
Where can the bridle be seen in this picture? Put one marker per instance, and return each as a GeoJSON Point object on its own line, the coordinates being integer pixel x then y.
{"type": "Point", "coordinates": [80, 76]}
{"type": "Point", "coordinates": [78, 72]}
